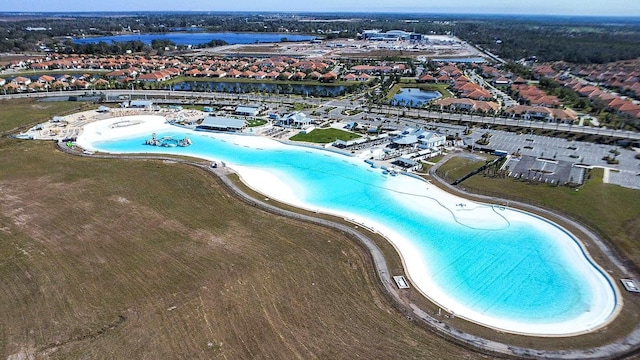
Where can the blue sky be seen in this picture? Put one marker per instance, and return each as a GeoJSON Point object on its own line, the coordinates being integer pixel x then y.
{"type": "Point", "coordinates": [544, 7]}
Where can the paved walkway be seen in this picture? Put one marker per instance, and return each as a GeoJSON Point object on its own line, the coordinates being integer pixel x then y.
{"type": "Point", "coordinates": [607, 174]}
{"type": "Point", "coordinates": [626, 347]}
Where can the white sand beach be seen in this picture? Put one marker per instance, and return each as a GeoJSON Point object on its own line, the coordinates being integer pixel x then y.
{"type": "Point", "coordinates": [418, 196]}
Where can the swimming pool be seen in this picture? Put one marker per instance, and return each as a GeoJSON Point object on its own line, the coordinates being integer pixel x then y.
{"type": "Point", "coordinates": [497, 266]}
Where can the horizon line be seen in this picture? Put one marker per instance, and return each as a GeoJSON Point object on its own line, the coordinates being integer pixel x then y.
{"type": "Point", "coordinates": [316, 12]}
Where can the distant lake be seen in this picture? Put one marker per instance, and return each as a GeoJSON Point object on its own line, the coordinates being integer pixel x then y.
{"type": "Point", "coordinates": [197, 38]}
{"type": "Point", "coordinates": [413, 97]}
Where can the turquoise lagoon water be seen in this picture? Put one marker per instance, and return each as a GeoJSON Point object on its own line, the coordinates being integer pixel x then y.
{"type": "Point", "coordinates": [510, 270]}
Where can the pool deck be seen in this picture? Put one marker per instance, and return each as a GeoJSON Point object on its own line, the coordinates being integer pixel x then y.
{"type": "Point", "coordinates": [71, 126]}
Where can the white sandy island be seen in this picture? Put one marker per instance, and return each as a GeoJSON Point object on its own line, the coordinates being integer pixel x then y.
{"type": "Point", "coordinates": [414, 194]}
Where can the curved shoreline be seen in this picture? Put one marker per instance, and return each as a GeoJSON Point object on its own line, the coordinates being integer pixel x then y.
{"type": "Point", "coordinates": [604, 303]}
{"type": "Point", "coordinates": [627, 346]}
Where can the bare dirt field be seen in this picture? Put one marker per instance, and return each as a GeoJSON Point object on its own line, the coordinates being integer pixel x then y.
{"type": "Point", "coordinates": [142, 259]}
{"type": "Point", "coordinates": [107, 258]}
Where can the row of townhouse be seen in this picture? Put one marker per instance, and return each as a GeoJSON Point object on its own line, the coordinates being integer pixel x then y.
{"type": "Point", "coordinates": [460, 84]}
{"type": "Point", "coordinates": [542, 113]}
{"type": "Point", "coordinates": [127, 68]}
{"type": "Point", "coordinates": [130, 68]}
{"type": "Point", "coordinates": [498, 77]}
{"type": "Point", "coordinates": [622, 76]}
{"type": "Point", "coordinates": [621, 104]}
{"type": "Point", "coordinates": [382, 68]}
{"type": "Point", "coordinates": [48, 82]}
{"type": "Point", "coordinates": [468, 105]}
{"type": "Point", "coordinates": [475, 99]}
{"type": "Point", "coordinates": [533, 95]}
{"type": "Point", "coordinates": [471, 96]}
{"type": "Point", "coordinates": [612, 101]}
{"type": "Point", "coordinates": [534, 103]}
{"type": "Point", "coordinates": [446, 74]}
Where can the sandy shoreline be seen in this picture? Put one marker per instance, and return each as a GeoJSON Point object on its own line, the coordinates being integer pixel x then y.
{"type": "Point", "coordinates": [414, 194]}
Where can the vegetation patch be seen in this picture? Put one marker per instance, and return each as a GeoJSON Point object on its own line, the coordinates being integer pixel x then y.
{"type": "Point", "coordinates": [299, 106]}
{"type": "Point", "coordinates": [350, 112]}
{"type": "Point", "coordinates": [21, 114]}
{"type": "Point", "coordinates": [256, 122]}
{"type": "Point", "coordinates": [459, 166]}
{"type": "Point", "coordinates": [325, 136]}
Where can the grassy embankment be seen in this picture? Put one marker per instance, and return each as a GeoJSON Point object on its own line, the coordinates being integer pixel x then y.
{"type": "Point", "coordinates": [18, 115]}
{"type": "Point", "coordinates": [144, 259]}
{"type": "Point", "coordinates": [325, 136]}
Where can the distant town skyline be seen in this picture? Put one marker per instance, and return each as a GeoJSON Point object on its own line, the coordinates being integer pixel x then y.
{"type": "Point", "coordinates": [540, 7]}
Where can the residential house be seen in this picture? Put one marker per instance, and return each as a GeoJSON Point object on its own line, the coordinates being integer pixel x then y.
{"type": "Point", "coordinates": [350, 77]}
{"type": "Point", "coordinates": [21, 81]}
{"type": "Point", "coordinates": [46, 79]}
{"type": "Point", "coordinates": [329, 77]}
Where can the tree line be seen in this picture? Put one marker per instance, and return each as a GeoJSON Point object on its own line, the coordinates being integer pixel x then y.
{"type": "Point", "coordinates": [573, 40]}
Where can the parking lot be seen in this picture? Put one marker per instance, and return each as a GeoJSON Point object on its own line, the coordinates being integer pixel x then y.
{"type": "Point", "coordinates": [625, 173]}
{"type": "Point", "coordinates": [590, 154]}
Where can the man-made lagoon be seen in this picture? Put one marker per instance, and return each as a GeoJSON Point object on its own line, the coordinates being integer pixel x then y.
{"type": "Point", "coordinates": [496, 266]}
{"type": "Point", "coordinates": [197, 38]}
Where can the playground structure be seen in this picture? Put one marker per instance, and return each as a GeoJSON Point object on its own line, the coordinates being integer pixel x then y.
{"type": "Point", "coordinates": [168, 141]}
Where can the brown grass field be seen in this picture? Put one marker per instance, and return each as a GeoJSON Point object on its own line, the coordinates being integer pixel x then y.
{"type": "Point", "coordinates": [122, 259]}
{"type": "Point", "coordinates": [114, 259]}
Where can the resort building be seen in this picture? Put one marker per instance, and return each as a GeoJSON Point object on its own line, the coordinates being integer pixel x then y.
{"type": "Point", "coordinates": [378, 35]}
{"type": "Point", "coordinates": [296, 120]}
{"type": "Point", "coordinates": [247, 110]}
{"type": "Point", "coordinates": [419, 138]}
{"type": "Point", "coordinates": [214, 123]}
{"type": "Point", "coordinates": [140, 104]}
